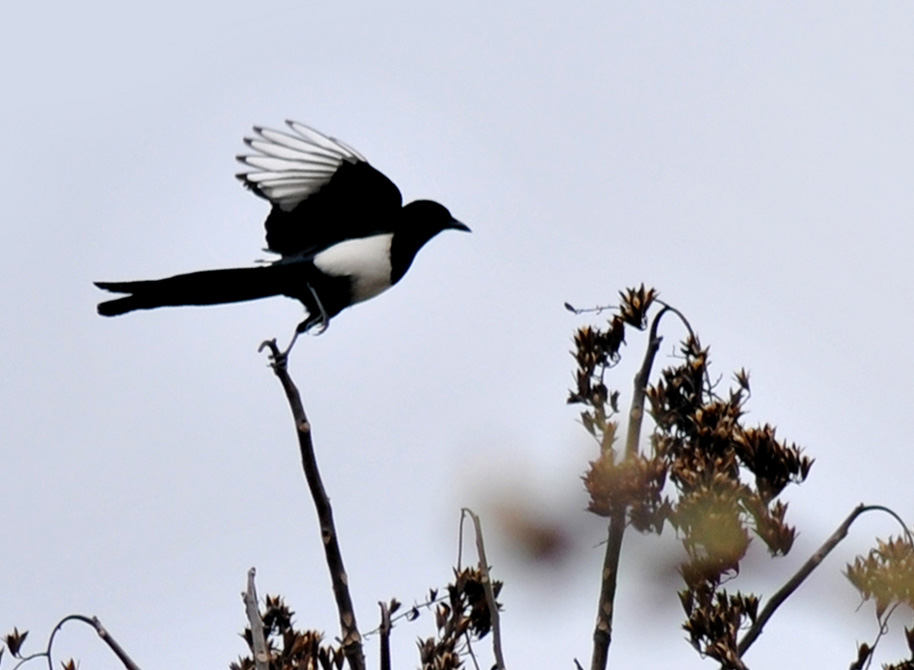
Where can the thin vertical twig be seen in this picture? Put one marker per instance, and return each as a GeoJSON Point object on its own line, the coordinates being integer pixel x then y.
{"type": "Point", "coordinates": [487, 585]}
{"type": "Point", "coordinates": [384, 629]}
{"type": "Point", "coordinates": [602, 634]}
{"type": "Point", "coordinates": [258, 639]}
{"type": "Point", "coordinates": [351, 639]}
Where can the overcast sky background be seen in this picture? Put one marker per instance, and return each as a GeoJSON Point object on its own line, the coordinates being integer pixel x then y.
{"type": "Point", "coordinates": [752, 161]}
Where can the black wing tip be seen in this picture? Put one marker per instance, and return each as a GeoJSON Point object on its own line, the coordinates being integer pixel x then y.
{"type": "Point", "coordinates": [247, 183]}
{"type": "Point", "coordinates": [292, 123]}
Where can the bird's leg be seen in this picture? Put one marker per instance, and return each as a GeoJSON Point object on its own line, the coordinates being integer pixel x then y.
{"type": "Point", "coordinates": [285, 354]}
{"type": "Point", "coordinates": [282, 356]}
{"type": "Point", "coordinates": [325, 319]}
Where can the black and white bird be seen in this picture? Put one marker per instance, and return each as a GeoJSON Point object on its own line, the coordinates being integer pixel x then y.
{"type": "Point", "coordinates": [339, 226]}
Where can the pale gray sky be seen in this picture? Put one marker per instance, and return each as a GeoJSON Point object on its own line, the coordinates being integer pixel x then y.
{"type": "Point", "coordinates": [752, 161]}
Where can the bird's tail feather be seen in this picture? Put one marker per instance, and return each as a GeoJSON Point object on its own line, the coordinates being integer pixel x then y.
{"type": "Point", "coordinates": [210, 287]}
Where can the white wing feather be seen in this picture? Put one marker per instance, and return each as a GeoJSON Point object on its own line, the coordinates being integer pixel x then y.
{"type": "Point", "coordinates": [289, 167]}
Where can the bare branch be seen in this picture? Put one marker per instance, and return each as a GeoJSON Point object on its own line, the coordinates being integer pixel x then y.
{"type": "Point", "coordinates": [410, 614]}
{"type": "Point", "coordinates": [99, 629]}
{"type": "Point", "coordinates": [814, 561]}
{"type": "Point", "coordinates": [490, 593]}
{"type": "Point", "coordinates": [258, 640]}
{"type": "Point", "coordinates": [385, 636]}
{"type": "Point", "coordinates": [351, 639]}
{"type": "Point", "coordinates": [883, 629]}
{"type": "Point", "coordinates": [602, 635]}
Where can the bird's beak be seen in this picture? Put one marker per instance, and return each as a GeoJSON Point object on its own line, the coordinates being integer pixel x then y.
{"type": "Point", "coordinates": [456, 225]}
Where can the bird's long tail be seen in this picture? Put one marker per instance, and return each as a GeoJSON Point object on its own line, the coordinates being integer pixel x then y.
{"type": "Point", "coordinates": [210, 287]}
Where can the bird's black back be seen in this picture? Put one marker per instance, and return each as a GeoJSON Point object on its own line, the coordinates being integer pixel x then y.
{"type": "Point", "coordinates": [357, 201]}
{"type": "Point", "coordinates": [322, 190]}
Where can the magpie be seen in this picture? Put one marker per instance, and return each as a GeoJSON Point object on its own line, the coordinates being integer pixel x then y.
{"type": "Point", "coordinates": [338, 225]}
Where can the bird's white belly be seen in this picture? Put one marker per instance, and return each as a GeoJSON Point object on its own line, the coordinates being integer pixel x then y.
{"type": "Point", "coordinates": [366, 261]}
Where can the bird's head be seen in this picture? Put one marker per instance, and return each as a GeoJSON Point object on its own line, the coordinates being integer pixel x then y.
{"type": "Point", "coordinates": [421, 221]}
{"type": "Point", "coordinates": [430, 217]}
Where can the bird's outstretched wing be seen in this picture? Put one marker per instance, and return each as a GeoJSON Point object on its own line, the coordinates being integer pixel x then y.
{"type": "Point", "coordinates": [322, 190]}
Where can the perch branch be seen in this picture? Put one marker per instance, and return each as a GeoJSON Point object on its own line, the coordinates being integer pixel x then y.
{"type": "Point", "coordinates": [351, 639]}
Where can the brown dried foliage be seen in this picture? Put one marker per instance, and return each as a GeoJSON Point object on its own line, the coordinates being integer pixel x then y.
{"type": "Point", "coordinates": [886, 574]}
{"type": "Point", "coordinates": [289, 648]}
{"type": "Point", "coordinates": [460, 619]}
{"type": "Point", "coordinates": [715, 480]}
{"type": "Point", "coordinates": [463, 618]}
{"type": "Point", "coordinates": [14, 642]}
